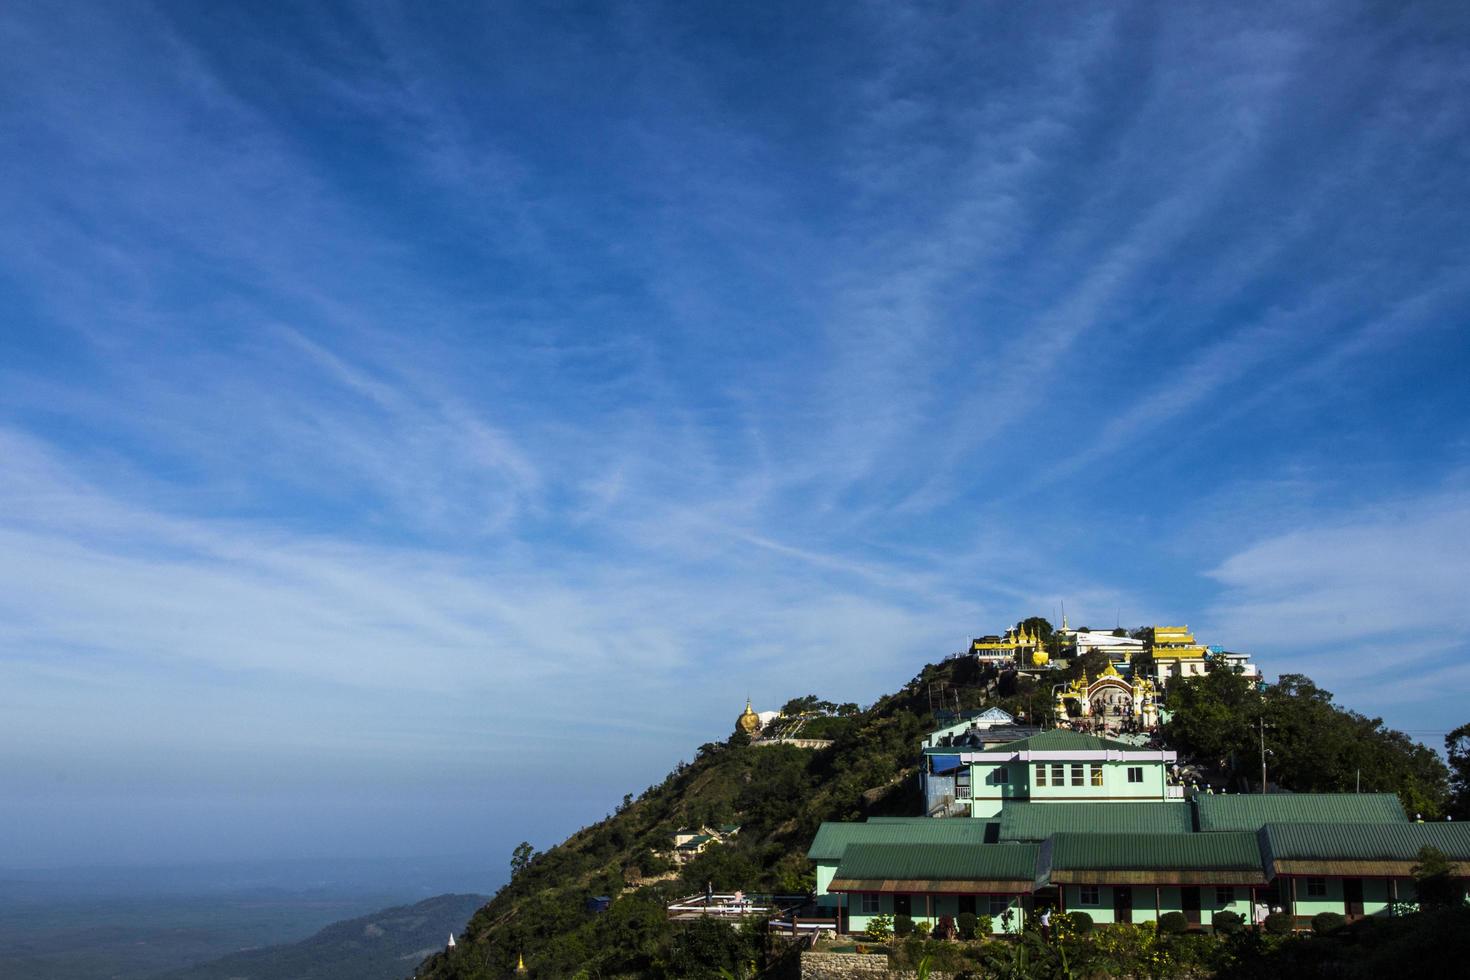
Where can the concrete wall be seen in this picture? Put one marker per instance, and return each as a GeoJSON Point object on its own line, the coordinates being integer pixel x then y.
{"type": "Point", "coordinates": [853, 966]}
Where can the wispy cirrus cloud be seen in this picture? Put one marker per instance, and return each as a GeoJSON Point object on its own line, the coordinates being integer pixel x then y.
{"type": "Point", "coordinates": [402, 387]}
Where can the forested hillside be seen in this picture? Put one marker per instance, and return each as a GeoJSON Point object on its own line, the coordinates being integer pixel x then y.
{"type": "Point", "coordinates": [779, 794]}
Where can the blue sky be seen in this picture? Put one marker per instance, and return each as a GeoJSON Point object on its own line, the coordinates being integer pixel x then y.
{"type": "Point", "coordinates": [420, 425]}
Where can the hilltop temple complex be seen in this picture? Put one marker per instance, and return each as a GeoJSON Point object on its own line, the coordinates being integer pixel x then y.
{"type": "Point", "coordinates": [1092, 815]}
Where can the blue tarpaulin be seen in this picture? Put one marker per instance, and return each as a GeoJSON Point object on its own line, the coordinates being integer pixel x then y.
{"type": "Point", "coordinates": [945, 763]}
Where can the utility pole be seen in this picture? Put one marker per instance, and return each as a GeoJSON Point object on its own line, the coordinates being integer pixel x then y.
{"type": "Point", "coordinates": [1263, 755]}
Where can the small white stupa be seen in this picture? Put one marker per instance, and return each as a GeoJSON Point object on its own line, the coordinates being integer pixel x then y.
{"type": "Point", "coordinates": [451, 940]}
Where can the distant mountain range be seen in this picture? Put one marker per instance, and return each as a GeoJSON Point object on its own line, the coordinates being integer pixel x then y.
{"type": "Point", "coordinates": [385, 945]}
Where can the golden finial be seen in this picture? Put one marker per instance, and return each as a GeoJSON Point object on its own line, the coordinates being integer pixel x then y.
{"type": "Point", "coordinates": [520, 963]}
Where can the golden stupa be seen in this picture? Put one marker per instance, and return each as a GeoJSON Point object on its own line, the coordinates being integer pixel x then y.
{"type": "Point", "coordinates": [748, 722]}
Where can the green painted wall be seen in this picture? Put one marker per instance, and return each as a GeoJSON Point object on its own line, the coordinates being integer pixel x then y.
{"type": "Point", "coordinates": [825, 871]}
{"type": "Point", "coordinates": [989, 794]}
{"type": "Point", "coordinates": [1376, 894]}
{"type": "Point", "coordinates": [1148, 908]}
{"type": "Point", "coordinates": [942, 905]}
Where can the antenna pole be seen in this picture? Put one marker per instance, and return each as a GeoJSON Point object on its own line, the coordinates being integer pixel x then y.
{"type": "Point", "coordinates": [1263, 755]}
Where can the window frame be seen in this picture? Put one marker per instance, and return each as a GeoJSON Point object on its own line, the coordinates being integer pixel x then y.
{"type": "Point", "coordinates": [1135, 774]}
{"type": "Point", "coordinates": [1316, 887]}
{"type": "Point", "coordinates": [1224, 894]}
{"type": "Point", "coordinates": [876, 901]}
{"type": "Point", "coordinates": [1041, 774]}
{"type": "Point", "coordinates": [1059, 774]}
{"type": "Point", "coordinates": [1082, 896]}
{"type": "Point", "coordinates": [1079, 774]}
{"type": "Point", "coordinates": [1095, 773]}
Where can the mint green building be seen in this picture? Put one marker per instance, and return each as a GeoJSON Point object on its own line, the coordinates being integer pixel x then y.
{"type": "Point", "coordinates": [1055, 766]}
{"type": "Point", "coordinates": [1082, 823]}
{"type": "Point", "coordinates": [1136, 877]}
{"type": "Point", "coordinates": [930, 881]}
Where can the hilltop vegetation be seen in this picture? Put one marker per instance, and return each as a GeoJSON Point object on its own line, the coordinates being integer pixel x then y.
{"type": "Point", "coordinates": [779, 794]}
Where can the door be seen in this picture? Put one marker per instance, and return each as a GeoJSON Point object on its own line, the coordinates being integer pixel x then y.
{"type": "Point", "coordinates": [901, 905]}
{"type": "Point", "coordinates": [1352, 897]}
{"type": "Point", "coordinates": [1189, 899]}
{"type": "Point", "coordinates": [967, 904]}
{"type": "Point", "coordinates": [1122, 903]}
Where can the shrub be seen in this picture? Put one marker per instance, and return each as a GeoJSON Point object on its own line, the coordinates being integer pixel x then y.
{"type": "Point", "coordinates": [1227, 923]}
{"type": "Point", "coordinates": [1280, 923]}
{"type": "Point", "coordinates": [903, 925]}
{"type": "Point", "coordinates": [984, 925]}
{"type": "Point", "coordinates": [1327, 922]}
{"type": "Point", "coordinates": [966, 923]}
{"type": "Point", "coordinates": [880, 927]}
{"type": "Point", "coordinates": [922, 929]}
{"type": "Point", "coordinates": [1078, 922]}
{"type": "Point", "coordinates": [1173, 923]}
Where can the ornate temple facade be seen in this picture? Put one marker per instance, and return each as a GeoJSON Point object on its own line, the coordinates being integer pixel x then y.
{"type": "Point", "coordinates": [1110, 701]}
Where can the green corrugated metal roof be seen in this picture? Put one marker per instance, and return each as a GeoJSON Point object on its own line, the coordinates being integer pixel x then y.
{"type": "Point", "coordinates": [939, 862]}
{"type": "Point", "coordinates": [1233, 812]}
{"type": "Point", "coordinates": [833, 839]}
{"type": "Point", "coordinates": [1038, 821]}
{"type": "Point", "coordinates": [1061, 740]}
{"type": "Point", "coordinates": [1148, 852]}
{"type": "Point", "coordinates": [1364, 841]}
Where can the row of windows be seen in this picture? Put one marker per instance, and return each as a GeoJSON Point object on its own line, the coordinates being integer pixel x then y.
{"type": "Point", "coordinates": [1059, 773]}
{"type": "Point", "coordinates": [1088, 894]}
{"type": "Point", "coordinates": [869, 904]}
{"type": "Point", "coordinates": [995, 905]}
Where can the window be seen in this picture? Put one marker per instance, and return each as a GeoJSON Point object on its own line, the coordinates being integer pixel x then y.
{"type": "Point", "coordinates": [868, 904]}
{"type": "Point", "coordinates": [962, 784]}
{"type": "Point", "coordinates": [1076, 774]}
{"type": "Point", "coordinates": [1316, 887]}
{"type": "Point", "coordinates": [1058, 774]}
{"type": "Point", "coordinates": [1224, 896]}
{"type": "Point", "coordinates": [1087, 895]}
{"type": "Point", "coordinates": [967, 904]}
{"type": "Point", "coordinates": [1135, 774]}
{"type": "Point", "coordinates": [1096, 773]}
{"type": "Point", "coordinates": [998, 905]}
{"type": "Point", "coordinates": [1000, 776]}
{"type": "Point", "coordinates": [1041, 775]}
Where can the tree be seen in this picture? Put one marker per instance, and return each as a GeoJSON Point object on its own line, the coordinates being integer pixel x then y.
{"type": "Point", "coordinates": [1457, 748]}
{"type": "Point", "coordinates": [709, 948]}
{"type": "Point", "coordinates": [521, 858]}
{"type": "Point", "coordinates": [1315, 746]}
{"type": "Point", "coordinates": [1038, 624]}
{"type": "Point", "coordinates": [1434, 879]}
{"type": "Point", "coordinates": [801, 706]}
